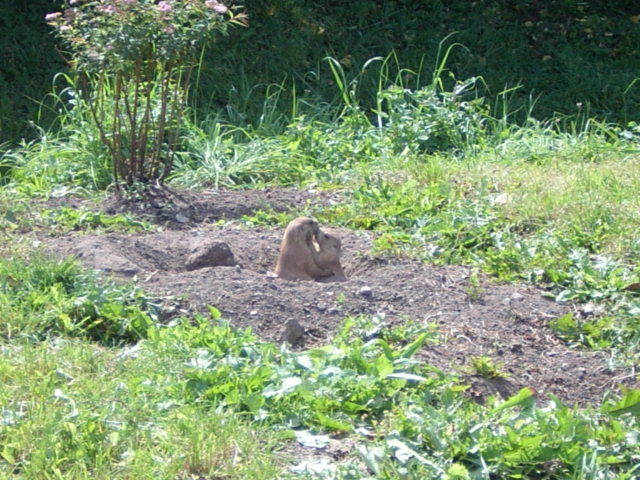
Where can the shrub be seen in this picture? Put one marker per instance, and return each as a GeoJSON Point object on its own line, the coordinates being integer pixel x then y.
{"type": "Point", "coordinates": [134, 60]}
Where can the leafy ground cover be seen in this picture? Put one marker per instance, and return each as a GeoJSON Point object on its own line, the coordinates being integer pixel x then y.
{"type": "Point", "coordinates": [198, 398]}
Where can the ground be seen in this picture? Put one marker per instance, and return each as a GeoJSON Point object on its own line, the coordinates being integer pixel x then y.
{"type": "Point", "coordinates": [472, 315]}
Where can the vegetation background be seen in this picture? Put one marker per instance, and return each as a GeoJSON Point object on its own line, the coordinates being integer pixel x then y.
{"type": "Point", "coordinates": [566, 56]}
{"type": "Point", "coordinates": [500, 135]}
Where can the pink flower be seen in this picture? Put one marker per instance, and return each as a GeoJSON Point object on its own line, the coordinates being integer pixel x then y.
{"type": "Point", "coordinates": [107, 9]}
{"type": "Point", "coordinates": [164, 6]}
{"type": "Point", "coordinates": [65, 28]}
{"type": "Point", "coordinates": [216, 6]}
{"type": "Point", "coordinates": [50, 17]}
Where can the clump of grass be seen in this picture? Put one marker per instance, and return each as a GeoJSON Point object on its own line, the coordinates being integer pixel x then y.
{"type": "Point", "coordinates": [43, 297]}
{"type": "Point", "coordinates": [486, 367]}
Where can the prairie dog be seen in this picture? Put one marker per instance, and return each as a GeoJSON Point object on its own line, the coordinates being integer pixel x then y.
{"type": "Point", "coordinates": [328, 255]}
{"type": "Point", "coordinates": [297, 252]}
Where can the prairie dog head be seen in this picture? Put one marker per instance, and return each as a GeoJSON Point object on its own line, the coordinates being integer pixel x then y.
{"type": "Point", "coordinates": [328, 255]}
{"type": "Point", "coordinates": [329, 243]}
{"type": "Point", "coordinates": [302, 228]}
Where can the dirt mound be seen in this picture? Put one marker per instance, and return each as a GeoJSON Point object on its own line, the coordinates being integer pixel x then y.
{"type": "Point", "coordinates": [474, 318]}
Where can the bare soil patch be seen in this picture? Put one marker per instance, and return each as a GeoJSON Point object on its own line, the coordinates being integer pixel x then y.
{"type": "Point", "coordinates": [508, 323]}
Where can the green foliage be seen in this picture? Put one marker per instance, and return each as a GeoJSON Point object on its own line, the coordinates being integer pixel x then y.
{"type": "Point", "coordinates": [514, 441]}
{"type": "Point", "coordinates": [124, 35]}
{"type": "Point", "coordinates": [485, 367]}
{"type": "Point", "coordinates": [83, 219]}
{"type": "Point", "coordinates": [176, 405]}
{"type": "Point", "coordinates": [568, 57]}
{"type": "Point", "coordinates": [40, 167]}
{"type": "Point", "coordinates": [76, 410]}
{"type": "Point", "coordinates": [41, 298]}
{"type": "Point", "coordinates": [430, 121]}
{"type": "Point", "coordinates": [418, 422]}
{"type": "Point", "coordinates": [327, 387]}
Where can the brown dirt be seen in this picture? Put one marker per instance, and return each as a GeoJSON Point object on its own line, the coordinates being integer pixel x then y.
{"type": "Point", "coordinates": [505, 322]}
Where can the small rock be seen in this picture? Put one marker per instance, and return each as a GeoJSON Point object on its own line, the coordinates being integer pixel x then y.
{"type": "Point", "coordinates": [365, 291]}
{"type": "Point", "coordinates": [182, 218]}
{"type": "Point", "coordinates": [216, 254]}
{"type": "Point", "coordinates": [293, 332]}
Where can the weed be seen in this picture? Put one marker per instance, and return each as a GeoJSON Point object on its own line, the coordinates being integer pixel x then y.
{"type": "Point", "coordinates": [485, 367]}
{"type": "Point", "coordinates": [474, 289]}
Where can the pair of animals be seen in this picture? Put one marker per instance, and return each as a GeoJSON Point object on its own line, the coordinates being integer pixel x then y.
{"type": "Point", "coordinates": [309, 253]}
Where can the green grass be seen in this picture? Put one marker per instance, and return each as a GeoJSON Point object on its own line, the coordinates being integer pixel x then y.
{"type": "Point", "coordinates": [40, 298]}
{"type": "Point", "coordinates": [71, 409]}
{"type": "Point", "coordinates": [199, 398]}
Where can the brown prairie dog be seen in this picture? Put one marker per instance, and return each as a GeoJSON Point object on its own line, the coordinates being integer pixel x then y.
{"type": "Point", "coordinates": [297, 252]}
{"type": "Point", "coordinates": [328, 255]}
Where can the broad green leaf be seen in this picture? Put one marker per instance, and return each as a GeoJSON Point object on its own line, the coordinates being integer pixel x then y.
{"type": "Point", "coordinates": [407, 376]}
{"type": "Point", "coordinates": [383, 366]}
{"type": "Point", "coordinates": [288, 385]}
{"type": "Point", "coordinates": [630, 403]}
{"type": "Point", "coordinates": [413, 347]}
{"type": "Point", "coordinates": [308, 439]}
{"type": "Point", "coordinates": [332, 423]}
{"type": "Point", "coordinates": [214, 312]}
{"type": "Point", "coordinates": [525, 397]}
{"type": "Point", "coordinates": [305, 362]}
{"type": "Point", "coordinates": [254, 402]}
{"type": "Point", "coordinates": [10, 216]}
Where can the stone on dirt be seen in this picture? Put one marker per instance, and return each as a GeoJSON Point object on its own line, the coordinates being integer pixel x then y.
{"type": "Point", "coordinates": [216, 254]}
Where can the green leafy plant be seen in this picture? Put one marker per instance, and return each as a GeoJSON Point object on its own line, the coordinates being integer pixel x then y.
{"type": "Point", "coordinates": [87, 220]}
{"type": "Point", "coordinates": [46, 297]}
{"type": "Point", "coordinates": [486, 367]}
{"type": "Point", "coordinates": [325, 388]}
{"type": "Point", "coordinates": [474, 288]}
{"type": "Point", "coordinates": [429, 120]}
{"type": "Point", "coordinates": [134, 59]}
